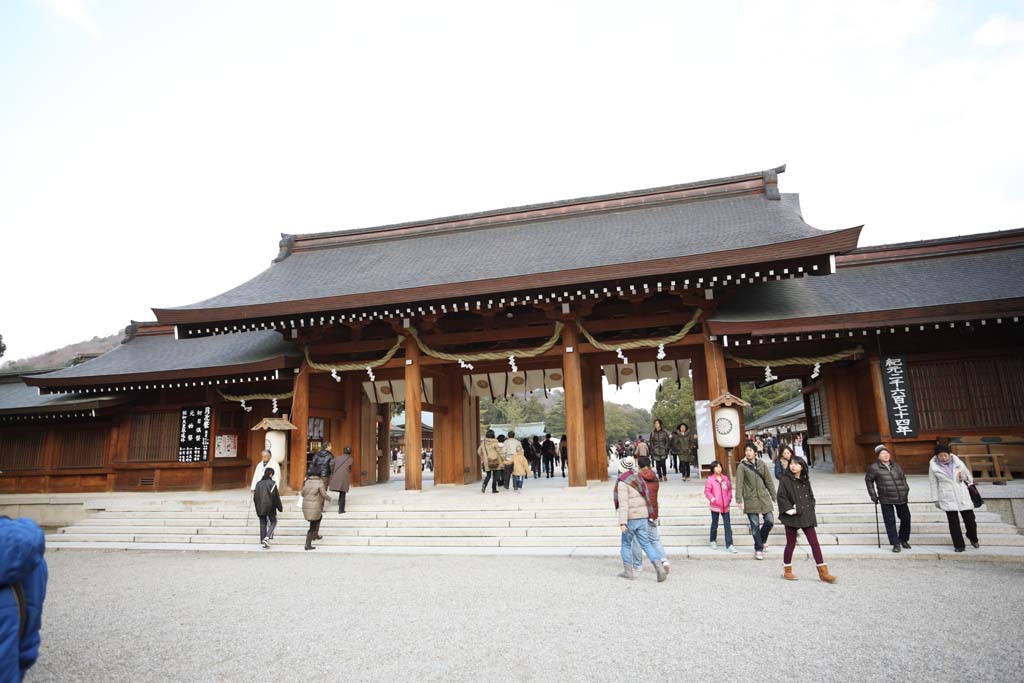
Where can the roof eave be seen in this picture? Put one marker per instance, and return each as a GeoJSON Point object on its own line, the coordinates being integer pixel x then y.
{"type": "Point", "coordinates": [1004, 308]}
{"type": "Point", "coordinates": [278, 363]}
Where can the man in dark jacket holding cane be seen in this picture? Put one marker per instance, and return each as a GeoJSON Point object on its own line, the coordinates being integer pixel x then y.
{"type": "Point", "coordinates": [887, 484]}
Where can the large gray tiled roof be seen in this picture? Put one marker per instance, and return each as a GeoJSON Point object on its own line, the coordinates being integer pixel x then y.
{"type": "Point", "coordinates": [17, 397]}
{"type": "Point", "coordinates": [154, 354]}
{"type": "Point", "coordinates": [983, 276]}
{"type": "Point", "coordinates": [548, 244]}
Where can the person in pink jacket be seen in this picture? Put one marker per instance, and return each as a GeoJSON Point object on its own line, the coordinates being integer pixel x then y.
{"type": "Point", "coordinates": [718, 491]}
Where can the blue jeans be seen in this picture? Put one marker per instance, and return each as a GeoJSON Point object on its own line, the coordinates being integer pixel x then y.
{"type": "Point", "coordinates": [655, 536]}
{"type": "Point", "coordinates": [637, 529]}
{"type": "Point", "coordinates": [760, 531]}
{"type": "Point", "coordinates": [517, 482]}
{"type": "Point", "coordinates": [726, 523]}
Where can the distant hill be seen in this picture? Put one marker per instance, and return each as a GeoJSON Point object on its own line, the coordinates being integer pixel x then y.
{"type": "Point", "coordinates": [63, 356]}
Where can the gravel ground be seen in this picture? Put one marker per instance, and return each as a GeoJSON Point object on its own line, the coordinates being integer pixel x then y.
{"type": "Point", "coordinates": [164, 616]}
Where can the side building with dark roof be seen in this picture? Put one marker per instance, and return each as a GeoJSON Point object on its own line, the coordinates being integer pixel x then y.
{"type": "Point", "coordinates": [720, 280]}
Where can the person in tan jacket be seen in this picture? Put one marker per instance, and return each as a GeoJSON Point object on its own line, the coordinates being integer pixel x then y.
{"type": "Point", "coordinates": [314, 495]}
{"type": "Point", "coordinates": [492, 460]}
{"type": "Point", "coordinates": [632, 501]}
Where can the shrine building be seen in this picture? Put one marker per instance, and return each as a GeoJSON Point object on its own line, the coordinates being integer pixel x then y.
{"type": "Point", "coordinates": [719, 280]}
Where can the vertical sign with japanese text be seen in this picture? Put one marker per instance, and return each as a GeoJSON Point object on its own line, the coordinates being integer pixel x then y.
{"type": "Point", "coordinates": [899, 399]}
{"type": "Point", "coordinates": [194, 437]}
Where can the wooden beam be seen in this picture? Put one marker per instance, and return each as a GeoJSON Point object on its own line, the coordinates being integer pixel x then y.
{"type": "Point", "coordinates": [413, 416]}
{"type": "Point", "coordinates": [574, 417]}
{"type": "Point", "coordinates": [510, 334]}
{"type": "Point", "coordinates": [299, 418]}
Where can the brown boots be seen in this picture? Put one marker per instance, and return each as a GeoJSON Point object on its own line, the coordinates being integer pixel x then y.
{"type": "Point", "coordinates": [824, 575]}
{"type": "Point", "coordinates": [787, 573]}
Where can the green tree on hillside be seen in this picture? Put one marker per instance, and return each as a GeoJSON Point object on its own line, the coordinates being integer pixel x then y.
{"type": "Point", "coordinates": [674, 404]}
{"type": "Point", "coordinates": [764, 399]}
{"type": "Point", "coordinates": [554, 420]}
{"type": "Point", "coordinates": [625, 422]}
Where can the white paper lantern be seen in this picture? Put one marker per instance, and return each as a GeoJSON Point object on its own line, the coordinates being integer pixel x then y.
{"type": "Point", "coordinates": [727, 427]}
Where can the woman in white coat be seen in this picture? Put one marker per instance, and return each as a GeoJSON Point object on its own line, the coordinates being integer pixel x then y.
{"type": "Point", "coordinates": [948, 478]}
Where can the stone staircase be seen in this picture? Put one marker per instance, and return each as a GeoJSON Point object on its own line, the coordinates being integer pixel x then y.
{"type": "Point", "coordinates": [509, 522]}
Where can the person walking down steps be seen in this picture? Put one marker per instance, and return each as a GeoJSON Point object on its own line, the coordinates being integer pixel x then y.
{"type": "Point", "coordinates": [887, 484]}
{"type": "Point", "coordinates": [755, 493]}
{"type": "Point", "coordinates": [632, 502]}
{"type": "Point", "coordinates": [948, 479]}
{"type": "Point", "coordinates": [796, 512]}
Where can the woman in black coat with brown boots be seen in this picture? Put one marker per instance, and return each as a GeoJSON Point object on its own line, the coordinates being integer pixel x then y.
{"type": "Point", "coordinates": [796, 511]}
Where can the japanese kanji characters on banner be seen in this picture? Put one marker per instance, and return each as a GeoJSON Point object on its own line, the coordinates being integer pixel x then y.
{"type": "Point", "coordinates": [899, 399]}
{"type": "Point", "coordinates": [194, 437]}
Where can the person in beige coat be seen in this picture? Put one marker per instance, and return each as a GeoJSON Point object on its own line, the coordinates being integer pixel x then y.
{"type": "Point", "coordinates": [492, 460]}
{"type": "Point", "coordinates": [314, 495]}
{"type": "Point", "coordinates": [633, 503]}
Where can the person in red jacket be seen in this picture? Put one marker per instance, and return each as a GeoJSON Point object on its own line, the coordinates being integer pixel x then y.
{"type": "Point", "coordinates": [718, 491]}
{"type": "Point", "coordinates": [651, 478]}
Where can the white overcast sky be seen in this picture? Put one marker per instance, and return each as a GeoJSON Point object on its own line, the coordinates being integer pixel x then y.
{"type": "Point", "coordinates": [151, 153]}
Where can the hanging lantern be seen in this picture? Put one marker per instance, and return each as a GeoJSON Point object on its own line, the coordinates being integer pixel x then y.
{"type": "Point", "coordinates": [727, 427]}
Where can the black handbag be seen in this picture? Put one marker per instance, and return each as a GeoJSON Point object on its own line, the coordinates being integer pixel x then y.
{"type": "Point", "coordinates": [975, 496]}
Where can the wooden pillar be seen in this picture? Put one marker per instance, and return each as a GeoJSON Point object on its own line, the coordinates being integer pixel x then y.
{"type": "Point", "coordinates": [449, 439]}
{"type": "Point", "coordinates": [841, 394]}
{"type": "Point", "coordinates": [413, 416]}
{"type": "Point", "coordinates": [299, 436]}
{"type": "Point", "coordinates": [384, 444]}
{"type": "Point", "coordinates": [575, 426]}
{"type": "Point", "coordinates": [352, 401]}
{"type": "Point", "coordinates": [718, 384]}
{"type": "Point", "coordinates": [878, 394]}
{"type": "Point", "coordinates": [471, 470]}
{"type": "Point", "coordinates": [593, 408]}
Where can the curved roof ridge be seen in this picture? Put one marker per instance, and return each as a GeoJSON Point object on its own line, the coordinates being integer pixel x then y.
{"type": "Point", "coordinates": [764, 179]}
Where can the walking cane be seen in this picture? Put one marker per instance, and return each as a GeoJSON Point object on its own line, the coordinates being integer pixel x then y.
{"type": "Point", "coordinates": [878, 533]}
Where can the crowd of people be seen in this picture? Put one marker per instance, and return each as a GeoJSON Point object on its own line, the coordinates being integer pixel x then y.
{"type": "Point", "coordinates": [508, 461]}
{"type": "Point", "coordinates": [757, 495]}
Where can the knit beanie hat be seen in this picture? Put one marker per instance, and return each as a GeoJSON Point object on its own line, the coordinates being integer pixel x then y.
{"type": "Point", "coordinates": [881, 447]}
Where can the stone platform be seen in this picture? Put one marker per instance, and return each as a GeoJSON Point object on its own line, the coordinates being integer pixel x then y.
{"type": "Point", "coordinates": [548, 518]}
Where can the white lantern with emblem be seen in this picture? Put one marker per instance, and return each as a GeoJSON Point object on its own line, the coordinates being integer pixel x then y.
{"type": "Point", "coordinates": [727, 427]}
